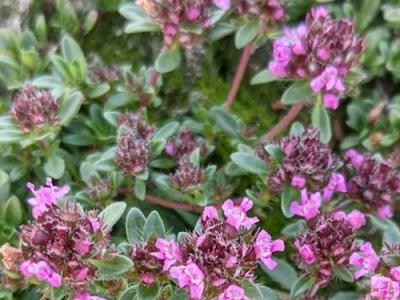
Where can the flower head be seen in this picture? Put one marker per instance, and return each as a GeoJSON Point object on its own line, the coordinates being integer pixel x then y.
{"type": "Point", "coordinates": [308, 206]}
{"type": "Point", "coordinates": [265, 246]}
{"type": "Point", "coordinates": [366, 259]}
{"type": "Point", "coordinates": [183, 144]}
{"type": "Point", "coordinates": [337, 183]}
{"type": "Point", "coordinates": [384, 288]}
{"type": "Point", "coordinates": [34, 108]}
{"type": "Point", "coordinates": [187, 176]}
{"type": "Point", "coordinates": [373, 183]}
{"type": "Point", "coordinates": [322, 50]}
{"type": "Point", "coordinates": [304, 157]}
{"type": "Point", "coordinates": [270, 10]}
{"type": "Point", "coordinates": [236, 215]}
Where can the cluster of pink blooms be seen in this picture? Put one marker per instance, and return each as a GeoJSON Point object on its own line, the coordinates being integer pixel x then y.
{"type": "Point", "coordinates": [176, 17]}
{"type": "Point", "coordinates": [322, 50]}
{"type": "Point", "coordinates": [187, 176]}
{"type": "Point", "coordinates": [215, 258]}
{"type": "Point", "coordinates": [373, 183]}
{"type": "Point", "coordinates": [34, 108]}
{"type": "Point", "coordinates": [59, 241]}
{"type": "Point", "coordinates": [183, 144]}
{"type": "Point", "coordinates": [329, 242]}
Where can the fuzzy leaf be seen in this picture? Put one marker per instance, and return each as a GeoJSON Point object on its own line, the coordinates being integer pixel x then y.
{"type": "Point", "coordinates": [264, 76]}
{"type": "Point", "coordinates": [112, 213]}
{"type": "Point", "coordinates": [134, 225]}
{"type": "Point", "coordinates": [115, 265]}
{"type": "Point", "coordinates": [168, 60]}
{"type": "Point", "coordinates": [153, 226]}
{"type": "Point", "coordinates": [320, 120]}
{"type": "Point", "coordinates": [298, 91]}
{"type": "Point", "coordinates": [249, 162]}
{"type": "Point", "coordinates": [246, 33]}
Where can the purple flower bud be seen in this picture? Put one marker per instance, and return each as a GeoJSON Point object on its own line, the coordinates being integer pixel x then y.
{"type": "Point", "coordinates": [34, 108]}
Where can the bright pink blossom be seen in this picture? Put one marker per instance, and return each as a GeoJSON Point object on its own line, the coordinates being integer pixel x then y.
{"type": "Point", "coordinates": [385, 212]}
{"type": "Point", "coordinates": [395, 272]}
{"type": "Point", "coordinates": [222, 4]}
{"type": "Point", "coordinates": [236, 214]}
{"type": "Point", "coordinates": [367, 260]}
{"type": "Point", "coordinates": [331, 101]}
{"type": "Point", "coordinates": [337, 183]}
{"type": "Point", "coordinates": [169, 252]}
{"type": "Point", "coordinates": [354, 157]}
{"type": "Point", "coordinates": [384, 288]}
{"type": "Point", "coordinates": [42, 271]}
{"type": "Point", "coordinates": [209, 213]}
{"type": "Point", "coordinates": [265, 247]}
{"type": "Point", "coordinates": [45, 196]}
{"type": "Point", "coordinates": [355, 218]}
{"type": "Point", "coordinates": [309, 205]}
{"type": "Point", "coordinates": [306, 253]}
{"type": "Point", "coordinates": [233, 292]}
{"type": "Point", "coordinates": [147, 278]}
{"type": "Point", "coordinates": [189, 276]}
{"type": "Point", "coordinates": [298, 181]}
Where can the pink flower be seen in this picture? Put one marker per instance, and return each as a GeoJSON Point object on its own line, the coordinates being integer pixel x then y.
{"type": "Point", "coordinates": [306, 253]}
{"type": "Point", "coordinates": [86, 296]}
{"type": "Point", "coordinates": [337, 183]}
{"type": "Point", "coordinates": [147, 278]}
{"type": "Point", "coordinates": [209, 213]}
{"type": "Point", "coordinates": [355, 218]}
{"type": "Point", "coordinates": [308, 206]}
{"type": "Point", "coordinates": [45, 196]}
{"type": "Point", "coordinates": [189, 276]}
{"type": "Point", "coordinates": [298, 181]}
{"type": "Point", "coordinates": [395, 272]}
{"type": "Point", "coordinates": [366, 259]}
{"type": "Point", "coordinates": [236, 215]}
{"type": "Point", "coordinates": [42, 271]}
{"type": "Point", "coordinates": [169, 252]}
{"type": "Point", "coordinates": [233, 292]}
{"type": "Point", "coordinates": [385, 212]}
{"type": "Point", "coordinates": [82, 247]}
{"type": "Point", "coordinates": [222, 4]}
{"type": "Point", "coordinates": [355, 158]}
{"type": "Point", "coordinates": [331, 101]}
{"type": "Point", "coordinates": [329, 80]}
{"type": "Point", "coordinates": [384, 288]}
{"type": "Point", "coordinates": [265, 246]}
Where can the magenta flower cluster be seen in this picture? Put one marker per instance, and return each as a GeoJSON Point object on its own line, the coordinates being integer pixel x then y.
{"type": "Point", "coordinates": [59, 241]}
{"type": "Point", "coordinates": [177, 16]}
{"type": "Point", "coordinates": [211, 262]}
{"type": "Point", "coordinates": [322, 50]}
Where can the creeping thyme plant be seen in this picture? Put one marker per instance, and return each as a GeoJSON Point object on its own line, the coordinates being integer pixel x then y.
{"type": "Point", "coordinates": [199, 149]}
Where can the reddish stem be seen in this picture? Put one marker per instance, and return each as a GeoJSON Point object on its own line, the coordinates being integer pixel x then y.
{"type": "Point", "coordinates": [241, 69]}
{"type": "Point", "coordinates": [285, 121]}
{"type": "Point", "coordinates": [153, 81]}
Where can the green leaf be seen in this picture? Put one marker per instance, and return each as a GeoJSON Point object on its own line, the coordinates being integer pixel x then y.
{"type": "Point", "coordinates": [132, 12]}
{"type": "Point", "coordinates": [13, 211]}
{"type": "Point", "coordinates": [275, 152]}
{"type": "Point", "coordinates": [134, 225]}
{"type": "Point", "coordinates": [264, 76]}
{"type": "Point", "coordinates": [320, 120]}
{"type": "Point", "coordinates": [392, 233]}
{"type": "Point", "coordinates": [115, 265]}
{"type": "Point", "coordinates": [9, 136]}
{"type": "Point", "coordinates": [166, 131]}
{"type": "Point", "coordinates": [301, 286]}
{"type": "Point", "coordinates": [249, 162]}
{"type": "Point", "coordinates": [98, 90]}
{"type": "Point", "coordinates": [140, 188]}
{"type": "Point", "coordinates": [88, 173]}
{"type": "Point", "coordinates": [71, 51]}
{"type": "Point", "coordinates": [345, 296]}
{"type": "Point", "coordinates": [298, 91]}
{"type": "Point", "coordinates": [145, 292]}
{"type": "Point", "coordinates": [225, 120]}
{"type": "Point", "coordinates": [267, 293]}
{"type": "Point", "coordinates": [112, 213]}
{"type": "Point", "coordinates": [129, 294]}
{"type": "Point", "coordinates": [343, 273]}
{"type": "Point", "coordinates": [55, 167]}
{"type": "Point", "coordinates": [153, 226]}
{"type": "Point", "coordinates": [70, 108]}
{"type": "Point", "coordinates": [4, 185]}
{"type": "Point", "coordinates": [221, 30]}
{"type": "Point", "coordinates": [142, 26]}
{"type": "Point", "coordinates": [246, 33]}
{"type": "Point", "coordinates": [168, 60]}
{"type": "Point", "coordinates": [288, 196]}
{"type": "Point", "coordinates": [252, 291]}
{"type": "Point", "coordinates": [284, 274]}
{"type": "Point", "coordinates": [296, 129]}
